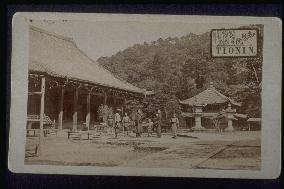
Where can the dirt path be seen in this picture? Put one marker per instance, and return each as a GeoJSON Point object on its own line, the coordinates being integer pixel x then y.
{"type": "Point", "coordinates": [205, 155]}
{"type": "Point", "coordinates": [186, 156]}
{"type": "Point", "coordinates": [202, 151]}
{"type": "Point", "coordinates": [240, 155]}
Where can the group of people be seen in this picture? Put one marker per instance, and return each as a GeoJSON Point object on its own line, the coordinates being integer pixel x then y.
{"type": "Point", "coordinates": [124, 123]}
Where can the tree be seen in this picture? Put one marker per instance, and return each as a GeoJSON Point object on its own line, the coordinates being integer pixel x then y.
{"type": "Point", "coordinates": [104, 111]}
{"type": "Point", "coordinates": [183, 68]}
{"type": "Point", "coordinates": [199, 81]}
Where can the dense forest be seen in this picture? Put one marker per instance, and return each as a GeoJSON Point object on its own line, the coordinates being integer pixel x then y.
{"type": "Point", "coordinates": [179, 68]}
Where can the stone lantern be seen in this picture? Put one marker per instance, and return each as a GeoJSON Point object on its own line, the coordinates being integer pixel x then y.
{"type": "Point", "coordinates": [197, 116]}
{"type": "Point", "coordinates": [198, 112]}
{"type": "Point", "coordinates": [230, 116]}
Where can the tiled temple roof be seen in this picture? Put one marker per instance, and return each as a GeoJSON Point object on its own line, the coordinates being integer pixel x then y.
{"type": "Point", "coordinates": [208, 96]}
{"type": "Point", "coordinates": [59, 56]}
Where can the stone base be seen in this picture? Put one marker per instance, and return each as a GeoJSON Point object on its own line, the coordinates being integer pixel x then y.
{"type": "Point", "coordinates": [200, 128]}
{"type": "Point", "coordinates": [230, 129]}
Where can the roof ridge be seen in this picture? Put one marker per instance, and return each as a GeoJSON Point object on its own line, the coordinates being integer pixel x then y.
{"type": "Point", "coordinates": [35, 28]}
{"type": "Point", "coordinates": [95, 62]}
{"type": "Point", "coordinates": [224, 96]}
{"type": "Point", "coordinates": [196, 94]}
{"type": "Point", "coordinates": [219, 93]}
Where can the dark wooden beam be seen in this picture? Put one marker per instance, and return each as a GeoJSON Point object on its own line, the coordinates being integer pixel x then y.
{"type": "Point", "coordinates": [60, 116]}
{"type": "Point", "coordinates": [105, 98]}
{"type": "Point", "coordinates": [88, 118]}
{"type": "Point", "coordinates": [41, 135]}
{"type": "Point", "coordinates": [75, 107]}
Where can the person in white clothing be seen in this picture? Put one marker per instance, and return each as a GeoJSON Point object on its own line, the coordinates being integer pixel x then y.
{"type": "Point", "coordinates": [175, 125]}
{"type": "Point", "coordinates": [117, 122]}
{"type": "Point", "coordinates": [126, 123]}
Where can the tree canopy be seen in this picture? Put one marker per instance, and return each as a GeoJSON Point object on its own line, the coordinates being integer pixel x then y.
{"type": "Point", "coordinates": [179, 68]}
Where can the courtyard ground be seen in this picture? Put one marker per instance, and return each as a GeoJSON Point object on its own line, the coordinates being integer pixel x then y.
{"type": "Point", "coordinates": [230, 150]}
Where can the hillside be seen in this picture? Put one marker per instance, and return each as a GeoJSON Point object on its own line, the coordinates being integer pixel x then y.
{"type": "Point", "coordinates": [178, 68]}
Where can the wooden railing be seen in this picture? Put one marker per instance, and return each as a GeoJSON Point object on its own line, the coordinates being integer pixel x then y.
{"type": "Point", "coordinates": [82, 135]}
{"type": "Point", "coordinates": [46, 121]}
{"type": "Point", "coordinates": [36, 118]}
{"type": "Point", "coordinates": [46, 132]}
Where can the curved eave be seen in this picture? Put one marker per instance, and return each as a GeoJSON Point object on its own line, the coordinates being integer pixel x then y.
{"type": "Point", "coordinates": [234, 103]}
{"type": "Point", "coordinates": [84, 81]}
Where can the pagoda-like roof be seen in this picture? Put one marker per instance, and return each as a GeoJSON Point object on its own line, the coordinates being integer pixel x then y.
{"type": "Point", "coordinates": [59, 56]}
{"type": "Point", "coordinates": [208, 96]}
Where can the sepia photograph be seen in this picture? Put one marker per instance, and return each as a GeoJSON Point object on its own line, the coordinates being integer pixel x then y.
{"type": "Point", "coordinates": [142, 94]}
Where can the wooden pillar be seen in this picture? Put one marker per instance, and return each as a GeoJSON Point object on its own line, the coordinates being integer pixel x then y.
{"type": "Point", "coordinates": [105, 98]}
{"type": "Point", "coordinates": [123, 106]}
{"type": "Point", "coordinates": [30, 125]}
{"type": "Point", "coordinates": [75, 107]}
{"type": "Point", "coordinates": [88, 111]}
{"type": "Point", "coordinates": [39, 150]}
{"type": "Point", "coordinates": [60, 116]}
{"type": "Point", "coordinates": [166, 112]}
{"type": "Point", "coordinates": [114, 103]}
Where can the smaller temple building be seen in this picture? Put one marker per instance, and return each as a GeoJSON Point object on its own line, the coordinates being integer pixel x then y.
{"type": "Point", "coordinates": [254, 124]}
{"type": "Point", "coordinates": [210, 109]}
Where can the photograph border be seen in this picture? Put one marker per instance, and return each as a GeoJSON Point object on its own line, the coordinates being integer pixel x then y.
{"type": "Point", "coordinates": [39, 169]}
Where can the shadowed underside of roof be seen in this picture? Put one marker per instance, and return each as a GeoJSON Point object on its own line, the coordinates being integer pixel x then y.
{"type": "Point", "coordinates": [60, 57]}
{"type": "Point", "coordinates": [208, 96]}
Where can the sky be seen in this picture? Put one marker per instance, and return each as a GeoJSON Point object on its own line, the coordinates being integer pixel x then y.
{"type": "Point", "coordinates": [106, 38]}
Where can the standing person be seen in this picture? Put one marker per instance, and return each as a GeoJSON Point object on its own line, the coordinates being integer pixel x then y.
{"type": "Point", "coordinates": [110, 123]}
{"type": "Point", "coordinates": [117, 121]}
{"type": "Point", "coordinates": [175, 125]}
{"type": "Point", "coordinates": [149, 127]}
{"type": "Point", "coordinates": [138, 120]}
{"type": "Point", "coordinates": [126, 123]}
{"type": "Point", "coordinates": [159, 122]}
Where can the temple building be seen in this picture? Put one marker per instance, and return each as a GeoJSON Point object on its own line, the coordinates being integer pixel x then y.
{"type": "Point", "coordinates": [254, 123]}
{"type": "Point", "coordinates": [67, 86]}
{"type": "Point", "coordinates": [205, 109]}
